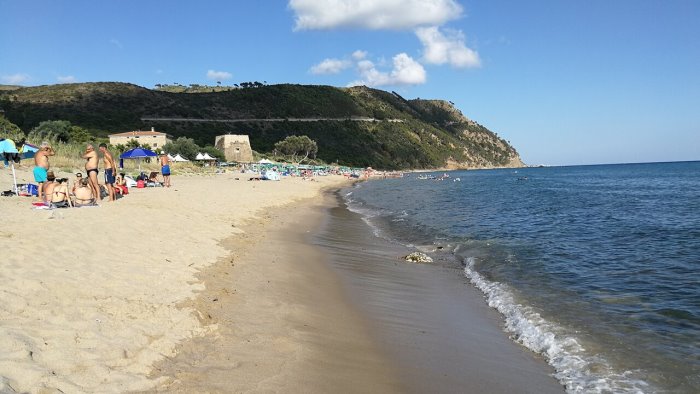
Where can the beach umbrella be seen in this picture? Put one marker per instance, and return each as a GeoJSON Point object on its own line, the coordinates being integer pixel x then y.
{"type": "Point", "coordinates": [265, 161]}
{"type": "Point", "coordinates": [138, 154]}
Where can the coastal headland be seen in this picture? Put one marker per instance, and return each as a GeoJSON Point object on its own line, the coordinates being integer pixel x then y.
{"type": "Point", "coordinates": [212, 285]}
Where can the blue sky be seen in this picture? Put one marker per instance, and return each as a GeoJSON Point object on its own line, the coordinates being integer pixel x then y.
{"type": "Point", "coordinates": [566, 82]}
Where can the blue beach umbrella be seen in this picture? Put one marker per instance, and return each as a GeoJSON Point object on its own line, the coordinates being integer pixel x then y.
{"type": "Point", "coordinates": [137, 153]}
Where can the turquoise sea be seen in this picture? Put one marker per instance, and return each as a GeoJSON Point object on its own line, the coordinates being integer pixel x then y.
{"type": "Point", "coordinates": [597, 268]}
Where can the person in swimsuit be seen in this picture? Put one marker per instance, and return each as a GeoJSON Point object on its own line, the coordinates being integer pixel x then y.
{"type": "Point", "coordinates": [41, 163]}
{"type": "Point", "coordinates": [165, 168]}
{"type": "Point", "coordinates": [83, 194]}
{"type": "Point", "coordinates": [49, 186]}
{"type": "Point", "coordinates": [120, 185]}
{"type": "Point", "coordinates": [92, 160]}
{"type": "Point", "coordinates": [110, 171]}
{"type": "Point", "coordinates": [59, 197]}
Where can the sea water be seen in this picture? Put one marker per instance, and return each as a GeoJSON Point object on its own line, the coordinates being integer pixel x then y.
{"type": "Point", "coordinates": [597, 268]}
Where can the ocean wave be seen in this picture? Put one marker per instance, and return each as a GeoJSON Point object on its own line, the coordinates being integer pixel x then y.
{"type": "Point", "coordinates": [577, 370]}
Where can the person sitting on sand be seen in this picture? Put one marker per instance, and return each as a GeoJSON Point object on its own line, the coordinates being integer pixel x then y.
{"type": "Point", "coordinates": [84, 194]}
{"type": "Point", "coordinates": [120, 185]}
{"type": "Point", "coordinates": [59, 197]}
{"type": "Point", "coordinates": [49, 185]}
{"type": "Point", "coordinates": [76, 183]}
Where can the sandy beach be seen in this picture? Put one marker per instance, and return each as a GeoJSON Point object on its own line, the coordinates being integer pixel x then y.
{"type": "Point", "coordinates": [218, 285]}
{"type": "Point", "coordinates": [93, 297]}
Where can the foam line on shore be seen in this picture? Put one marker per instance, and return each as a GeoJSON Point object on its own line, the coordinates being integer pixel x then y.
{"type": "Point", "coordinates": [577, 370]}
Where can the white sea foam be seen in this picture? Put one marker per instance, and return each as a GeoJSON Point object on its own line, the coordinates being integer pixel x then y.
{"type": "Point", "coordinates": [577, 370]}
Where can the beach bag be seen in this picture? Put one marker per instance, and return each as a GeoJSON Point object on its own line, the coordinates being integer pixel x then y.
{"type": "Point", "coordinates": [140, 184]}
{"type": "Point", "coordinates": [32, 189]}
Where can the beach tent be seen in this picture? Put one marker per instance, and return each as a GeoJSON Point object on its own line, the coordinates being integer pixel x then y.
{"type": "Point", "coordinates": [204, 157]}
{"type": "Point", "coordinates": [170, 157]}
{"type": "Point", "coordinates": [178, 158]}
{"type": "Point", "coordinates": [9, 151]}
{"type": "Point", "coordinates": [265, 161]}
{"type": "Point", "coordinates": [138, 154]}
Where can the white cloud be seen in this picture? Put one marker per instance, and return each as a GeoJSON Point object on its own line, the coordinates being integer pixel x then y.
{"type": "Point", "coordinates": [14, 79]}
{"type": "Point", "coordinates": [448, 47]}
{"type": "Point", "coordinates": [406, 71]}
{"type": "Point", "coordinates": [218, 75]}
{"type": "Point", "coordinates": [66, 79]}
{"type": "Point", "coordinates": [373, 14]}
{"type": "Point", "coordinates": [116, 43]}
{"type": "Point", "coordinates": [359, 55]}
{"type": "Point", "coordinates": [330, 66]}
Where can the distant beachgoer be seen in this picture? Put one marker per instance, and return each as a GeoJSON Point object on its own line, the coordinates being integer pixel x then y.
{"type": "Point", "coordinates": [41, 163]}
{"type": "Point", "coordinates": [120, 185]}
{"type": "Point", "coordinates": [165, 168]}
{"type": "Point", "coordinates": [110, 171]}
{"type": "Point", "coordinates": [84, 194]}
{"type": "Point", "coordinates": [91, 164]}
{"type": "Point", "coordinates": [49, 186]}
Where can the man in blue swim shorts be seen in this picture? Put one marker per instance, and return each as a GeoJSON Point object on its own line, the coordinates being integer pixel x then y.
{"type": "Point", "coordinates": [41, 163]}
{"type": "Point", "coordinates": [165, 168]}
{"type": "Point", "coordinates": [110, 171]}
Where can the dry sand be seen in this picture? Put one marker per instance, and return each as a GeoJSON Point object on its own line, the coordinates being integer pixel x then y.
{"type": "Point", "coordinates": [93, 297]}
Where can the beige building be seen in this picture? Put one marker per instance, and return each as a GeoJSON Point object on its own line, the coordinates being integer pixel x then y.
{"type": "Point", "coordinates": [235, 147]}
{"type": "Point", "coordinates": [153, 138]}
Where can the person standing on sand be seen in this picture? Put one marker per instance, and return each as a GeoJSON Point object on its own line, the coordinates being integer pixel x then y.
{"type": "Point", "coordinates": [165, 168]}
{"type": "Point", "coordinates": [41, 163]}
{"type": "Point", "coordinates": [92, 160]}
{"type": "Point", "coordinates": [110, 171]}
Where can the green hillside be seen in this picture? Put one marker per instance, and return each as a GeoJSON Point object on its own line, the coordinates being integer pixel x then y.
{"type": "Point", "coordinates": [359, 126]}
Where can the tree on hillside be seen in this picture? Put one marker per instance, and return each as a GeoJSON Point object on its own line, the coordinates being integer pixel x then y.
{"type": "Point", "coordinates": [79, 135]}
{"type": "Point", "coordinates": [50, 130]}
{"type": "Point", "coordinates": [10, 130]}
{"type": "Point", "coordinates": [298, 147]}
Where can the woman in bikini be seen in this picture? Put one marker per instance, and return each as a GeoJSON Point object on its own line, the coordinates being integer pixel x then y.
{"type": "Point", "coordinates": [59, 197]}
{"type": "Point", "coordinates": [84, 194]}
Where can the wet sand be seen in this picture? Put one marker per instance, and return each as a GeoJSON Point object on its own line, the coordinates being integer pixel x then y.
{"type": "Point", "coordinates": [311, 301]}
{"type": "Point", "coordinates": [284, 323]}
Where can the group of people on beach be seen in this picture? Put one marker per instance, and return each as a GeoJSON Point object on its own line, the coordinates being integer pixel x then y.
{"type": "Point", "coordinates": [86, 190]}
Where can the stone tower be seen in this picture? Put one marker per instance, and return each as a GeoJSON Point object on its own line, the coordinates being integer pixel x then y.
{"type": "Point", "coordinates": [235, 147]}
